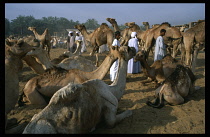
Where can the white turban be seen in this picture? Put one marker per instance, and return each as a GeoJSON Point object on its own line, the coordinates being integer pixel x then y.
{"type": "Point", "coordinates": [133, 35]}
{"type": "Point", "coordinates": [70, 31]}
{"type": "Point", "coordinates": [77, 32]}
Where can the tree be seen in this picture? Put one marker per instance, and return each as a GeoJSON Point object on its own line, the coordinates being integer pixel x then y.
{"type": "Point", "coordinates": [91, 24]}
{"type": "Point", "coordinates": [7, 27]}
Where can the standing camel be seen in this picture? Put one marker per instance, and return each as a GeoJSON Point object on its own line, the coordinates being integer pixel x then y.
{"type": "Point", "coordinates": [172, 37]}
{"type": "Point", "coordinates": [100, 36]}
{"type": "Point", "coordinates": [194, 41]}
{"type": "Point", "coordinates": [45, 38]}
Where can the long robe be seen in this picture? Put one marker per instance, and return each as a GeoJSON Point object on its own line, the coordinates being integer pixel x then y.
{"type": "Point", "coordinates": [71, 44]}
{"type": "Point", "coordinates": [133, 67]}
{"type": "Point", "coordinates": [83, 49]}
{"type": "Point", "coordinates": [114, 67]}
{"type": "Point", "coordinates": [160, 48]}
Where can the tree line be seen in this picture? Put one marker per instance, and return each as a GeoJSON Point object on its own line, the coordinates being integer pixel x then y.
{"type": "Point", "coordinates": [19, 26]}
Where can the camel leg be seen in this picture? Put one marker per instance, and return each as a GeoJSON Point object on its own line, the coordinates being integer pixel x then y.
{"type": "Point", "coordinates": [195, 54]}
{"type": "Point", "coordinates": [36, 98]}
{"type": "Point", "coordinates": [97, 62]}
{"type": "Point", "coordinates": [110, 115]}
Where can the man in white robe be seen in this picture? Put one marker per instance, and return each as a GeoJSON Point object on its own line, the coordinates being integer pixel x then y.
{"type": "Point", "coordinates": [71, 43]}
{"type": "Point", "coordinates": [114, 67]}
{"type": "Point", "coordinates": [80, 37]}
{"type": "Point", "coordinates": [160, 47]}
{"type": "Point", "coordinates": [133, 67]}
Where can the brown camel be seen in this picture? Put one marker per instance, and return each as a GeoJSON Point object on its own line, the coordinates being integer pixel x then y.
{"type": "Point", "coordinates": [124, 33]}
{"type": "Point", "coordinates": [146, 24]}
{"type": "Point", "coordinates": [102, 104]}
{"type": "Point", "coordinates": [54, 79]}
{"type": "Point", "coordinates": [194, 41]}
{"type": "Point", "coordinates": [14, 52]}
{"type": "Point", "coordinates": [45, 38]}
{"type": "Point", "coordinates": [100, 36]}
{"type": "Point", "coordinates": [173, 90]}
{"type": "Point", "coordinates": [172, 38]}
{"type": "Point", "coordinates": [159, 70]}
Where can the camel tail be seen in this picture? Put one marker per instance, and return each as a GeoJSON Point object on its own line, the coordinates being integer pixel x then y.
{"type": "Point", "coordinates": [158, 103]}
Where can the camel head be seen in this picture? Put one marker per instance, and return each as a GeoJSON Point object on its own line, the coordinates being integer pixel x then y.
{"type": "Point", "coordinates": [130, 24]}
{"type": "Point", "coordinates": [127, 52]}
{"type": "Point", "coordinates": [80, 27]}
{"type": "Point", "coordinates": [145, 23]}
{"type": "Point", "coordinates": [31, 28]}
{"type": "Point", "coordinates": [21, 46]}
{"type": "Point", "coordinates": [111, 20]}
{"type": "Point", "coordinates": [140, 56]}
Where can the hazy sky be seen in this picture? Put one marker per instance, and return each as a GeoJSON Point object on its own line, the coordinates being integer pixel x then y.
{"type": "Point", "coordinates": [154, 13]}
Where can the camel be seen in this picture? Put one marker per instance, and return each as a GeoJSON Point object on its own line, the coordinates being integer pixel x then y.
{"type": "Point", "coordinates": [45, 38]}
{"type": "Point", "coordinates": [14, 52]}
{"type": "Point", "coordinates": [102, 104]}
{"type": "Point", "coordinates": [146, 24]}
{"type": "Point", "coordinates": [159, 70]}
{"type": "Point", "coordinates": [54, 79]}
{"type": "Point", "coordinates": [194, 41]}
{"type": "Point", "coordinates": [100, 36]}
{"type": "Point", "coordinates": [172, 37]}
{"type": "Point", "coordinates": [173, 90]}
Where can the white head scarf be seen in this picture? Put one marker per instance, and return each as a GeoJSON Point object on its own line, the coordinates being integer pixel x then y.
{"type": "Point", "coordinates": [70, 32]}
{"type": "Point", "coordinates": [77, 32]}
{"type": "Point", "coordinates": [133, 35]}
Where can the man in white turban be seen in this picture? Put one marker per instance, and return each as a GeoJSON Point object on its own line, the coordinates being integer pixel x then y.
{"type": "Point", "coordinates": [80, 37]}
{"type": "Point", "coordinates": [70, 40]}
{"type": "Point", "coordinates": [133, 67]}
{"type": "Point", "coordinates": [160, 47]}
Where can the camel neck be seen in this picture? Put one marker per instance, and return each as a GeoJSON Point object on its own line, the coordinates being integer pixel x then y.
{"type": "Point", "coordinates": [145, 67]}
{"type": "Point", "coordinates": [14, 62]}
{"type": "Point", "coordinates": [85, 34]}
{"type": "Point", "coordinates": [119, 84]}
{"type": "Point", "coordinates": [116, 28]}
{"type": "Point", "coordinates": [102, 70]}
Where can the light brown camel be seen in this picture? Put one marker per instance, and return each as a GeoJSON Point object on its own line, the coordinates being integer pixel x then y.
{"type": "Point", "coordinates": [159, 70]}
{"type": "Point", "coordinates": [102, 104]}
{"type": "Point", "coordinates": [54, 79]}
{"type": "Point", "coordinates": [45, 38]}
{"type": "Point", "coordinates": [38, 59]}
{"type": "Point", "coordinates": [175, 88]}
{"type": "Point", "coordinates": [124, 33]}
{"type": "Point", "coordinates": [172, 38]}
{"type": "Point", "coordinates": [14, 52]}
{"type": "Point", "coordinates": [146, 24]}
{"type": "Point", "coordinates": [100, 36]}
{"type": "Point", "coordinates": [194, 41]}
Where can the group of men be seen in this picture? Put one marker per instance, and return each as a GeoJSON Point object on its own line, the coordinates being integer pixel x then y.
{"type": "Point", "coordinates": [71, 45]}
{"type": "Point", "coordinates": [134, 67]}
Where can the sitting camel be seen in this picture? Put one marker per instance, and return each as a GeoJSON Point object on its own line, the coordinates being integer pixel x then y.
{"type": "Point", "coordinates": [14, 52]}
{"type": "Point", "coordinates": [45, 85]}
{"type": "Point", "coordinates": [177, 86]}
{"type": "Point", "coordinates": [45, 38]}
{"type": "Point", "coordinates": [159, 70]}
{"type": "Point", "coordinates": [61, 114]}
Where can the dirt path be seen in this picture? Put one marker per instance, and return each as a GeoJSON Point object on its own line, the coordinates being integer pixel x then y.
{"type": "Point", "coordinates": [186, 118]}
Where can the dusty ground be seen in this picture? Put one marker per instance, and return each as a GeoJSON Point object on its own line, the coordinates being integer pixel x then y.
{"type": "Point", "coordinates": [182, 119]}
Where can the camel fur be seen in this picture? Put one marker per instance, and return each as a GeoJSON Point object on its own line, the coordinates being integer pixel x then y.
{"type": "Point", "coordinates": [14, 52]}
{"type": "Point", "coordinates": [54, 79]}
{"type": "Point", "coordinates": [45, 38]}
{"type": "Point", "coordinates": [69, 113]}
{"type": "Point", "coordinates": [159, 70]}
{"type": "Point", "coordinates": [175, 88]}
